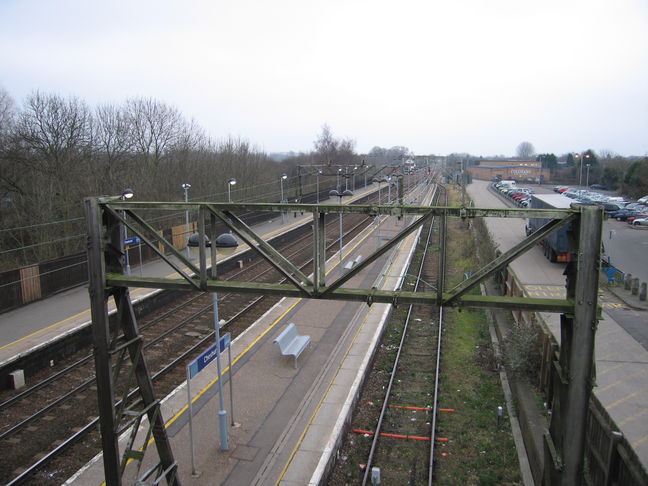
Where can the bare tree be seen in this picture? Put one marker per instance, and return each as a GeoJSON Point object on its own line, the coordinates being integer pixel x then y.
{"type": "Point", "coordinates": [113, 142]}
{"type": "Point", "coordinates": [7, 113]}
{"type": "Point", "coordinates": [52, 161]}
{"type": "Point", "coordinates": [155, 126]}
{"type": "Point", "coordinates": [326, 146]}
{"type": "Point", "coordinates": [525, 150]}
{"type": "Point", "coordinates": [329, 149]}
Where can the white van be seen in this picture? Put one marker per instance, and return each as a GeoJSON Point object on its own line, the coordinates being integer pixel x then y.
{"type": "Point", "coordinates": [505, 185]}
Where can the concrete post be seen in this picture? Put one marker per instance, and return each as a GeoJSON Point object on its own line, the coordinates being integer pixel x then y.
{"type": "Point", "coordinates": [627, 281]}
{"type": "Point", "coordinates": [635, 286]}
{"type": "Point", "coordinates": [642, 292]}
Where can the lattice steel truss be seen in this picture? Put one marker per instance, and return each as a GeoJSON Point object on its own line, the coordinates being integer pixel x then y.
{"type": "Point", "coordinates": [572, 368]}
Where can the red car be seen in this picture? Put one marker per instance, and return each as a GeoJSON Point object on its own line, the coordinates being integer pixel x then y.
{"type": "Point", "coordinates": [636, 216]}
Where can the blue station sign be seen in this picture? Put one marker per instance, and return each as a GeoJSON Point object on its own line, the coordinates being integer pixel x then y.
{"type": "Point", "coordinates": [208, 355]}
{"type": "Point", "coordinates": [134, 240]}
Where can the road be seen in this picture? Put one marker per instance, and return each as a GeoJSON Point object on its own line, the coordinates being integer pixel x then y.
{"type": "Point", "coordinates": [627, 248]}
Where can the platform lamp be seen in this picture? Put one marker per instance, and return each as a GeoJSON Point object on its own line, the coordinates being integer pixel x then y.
{"type": "Point", "coordinates": [230, 183]}
{"type": "Point", "coordinates": [127, 194]}
{"type": "Point", "coordinates": [281, 179]}
{"type": "Point", "coordinates": [186, 187]}
{"type": "Point", "coordinates": [340, 195]}
{"type": "Point", "coordinates": [319, 173]}
{"type": "Point", "coordinates": [379, 181]}
{"type": "Point", "coordinates": [226, 244]}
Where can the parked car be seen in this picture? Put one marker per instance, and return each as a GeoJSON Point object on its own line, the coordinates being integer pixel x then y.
{"type": "Point", "coordinates": [640, 222]}
{"type": "Point", "coordinates": [600, 187]}
{"type": "Point", "coordinates": [623, 214]}
{"type": "Point", "coordinates": [630, 219]}
{"type": "Point", "coordinates": [611, 207]}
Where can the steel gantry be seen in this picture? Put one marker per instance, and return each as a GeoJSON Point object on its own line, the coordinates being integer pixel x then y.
{"type": "Point", "coordinates": [105, 216]}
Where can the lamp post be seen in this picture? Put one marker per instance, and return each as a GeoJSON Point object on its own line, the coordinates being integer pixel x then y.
{"type": "Point", "coordinates": [587, 175]}
{"type": "Point", "coordinates": [319, 172]}
{"type": "Point", "coordinates": [340, 195]}
{"type": "Point", "coordinates": [226, 243]}
{"type": "Point", "coordinates": [127, 194]}
{"type": "Point", "coordinates": [580, 174]}
{"type": "Point", "coordinates": [230, 183]}
{"type": "Point", "coordinates": [281, 179]}
{"type": "Point", "coordinates": [389, 184]}
{"type": "Point", "coordinates": [378, 181]}
{"type": "Point", "coordinates": [338, 187]}
{"type": "Point", "coordinates": [186, 187]}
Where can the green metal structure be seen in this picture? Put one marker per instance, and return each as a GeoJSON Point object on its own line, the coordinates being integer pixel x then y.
{"type": "Point", "coordinates": [572, 367]}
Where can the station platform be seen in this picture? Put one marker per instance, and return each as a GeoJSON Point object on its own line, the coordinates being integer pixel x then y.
{"type": "Point", "coordinates": [29, 328]}
{"type": "Point", "coordinates": [621, 355]}
{"type": "Point", "coordinates": [286, 420]}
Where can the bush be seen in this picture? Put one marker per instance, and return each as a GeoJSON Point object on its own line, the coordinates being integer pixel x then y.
{"type": "Point", "coordinates": [521, 351]}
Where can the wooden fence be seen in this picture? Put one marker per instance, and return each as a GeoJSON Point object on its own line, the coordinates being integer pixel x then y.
{"type": "Point", "coordinates": [609, 458]}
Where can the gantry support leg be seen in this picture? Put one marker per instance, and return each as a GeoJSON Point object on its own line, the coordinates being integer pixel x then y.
{"type": "Point", "coordinates": [573, 370]}
{"type": "Point", "coordinates": [105, 252]}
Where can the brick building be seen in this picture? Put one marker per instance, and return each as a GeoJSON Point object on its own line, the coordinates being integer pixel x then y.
{"type": "Point", "coordinates": [517, 170]}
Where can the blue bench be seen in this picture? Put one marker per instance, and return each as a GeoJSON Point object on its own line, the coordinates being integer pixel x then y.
{"type": "Point", "coordinates": [291, 343]}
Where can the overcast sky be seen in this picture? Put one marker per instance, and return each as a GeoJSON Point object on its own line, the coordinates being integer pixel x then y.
{"type": "Point", "coordinates": [437, 76]}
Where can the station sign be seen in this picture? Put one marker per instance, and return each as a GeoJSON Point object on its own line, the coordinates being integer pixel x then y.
{"type": "Point", "coordinates": [134, 240]}
{"type": "Point", "coordinates": [209, 355]}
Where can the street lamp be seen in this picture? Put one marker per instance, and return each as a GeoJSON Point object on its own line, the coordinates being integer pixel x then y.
{"type": "Point", "coordinates": [340, 195]}
{"type": "Point", "coordinates": [226, 243]}
{"type": "Point", "coordinates": [319, 172]}
{"type": "Point", "coordinates": [587, 175]}
{"type": "Point", "coordinates": [378, 181]}
{"type": "Point", "coordinates": [230, 183]}
{"type": "Point", "coordinates": [186, 187]}
{"type": "Point", "coordinates": [581, 157]}
{"type": "Point", "coordinates": [281, 179]}
{"type": "Point", "coordinates": [338, 178]}
{"type": "Point", "coordinates": [127, 194]}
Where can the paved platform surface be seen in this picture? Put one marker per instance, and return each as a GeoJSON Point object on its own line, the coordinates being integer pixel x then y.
{"type": "Point", "coordinates": [286, 419]}
{"type": "Point", "coordinates": [27, 328]}
{"type": "Point", "coordinates": [621, 359]}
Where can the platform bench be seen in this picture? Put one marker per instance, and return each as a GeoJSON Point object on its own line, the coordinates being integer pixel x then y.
{"type": "Point", "coordinates": [291, 343]}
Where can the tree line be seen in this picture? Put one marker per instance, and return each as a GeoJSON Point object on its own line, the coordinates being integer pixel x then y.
{"type": "Point", "coordinates": [617, 173]}
{"type": "Point", "coordinates": [55, 151]}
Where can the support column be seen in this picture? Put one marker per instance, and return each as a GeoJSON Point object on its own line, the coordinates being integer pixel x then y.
{"type": "Point", "coordinates": [106, 254]}
{"type": "Point", "coordinates": [319, 251]}
{"type": "Point", "coordinates": [573, 371]}
{"type": "Point", "coordinates": [101, 343]}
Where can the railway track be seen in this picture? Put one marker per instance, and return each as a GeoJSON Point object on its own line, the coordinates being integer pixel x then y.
{"type": "Point", "coordinates": [394, 426]}
{"type": "Point", "coordinates": [35, 435]}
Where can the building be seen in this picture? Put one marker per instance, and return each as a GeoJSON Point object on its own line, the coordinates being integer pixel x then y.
{"type": "Point", "coordinates": [518, 170]}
